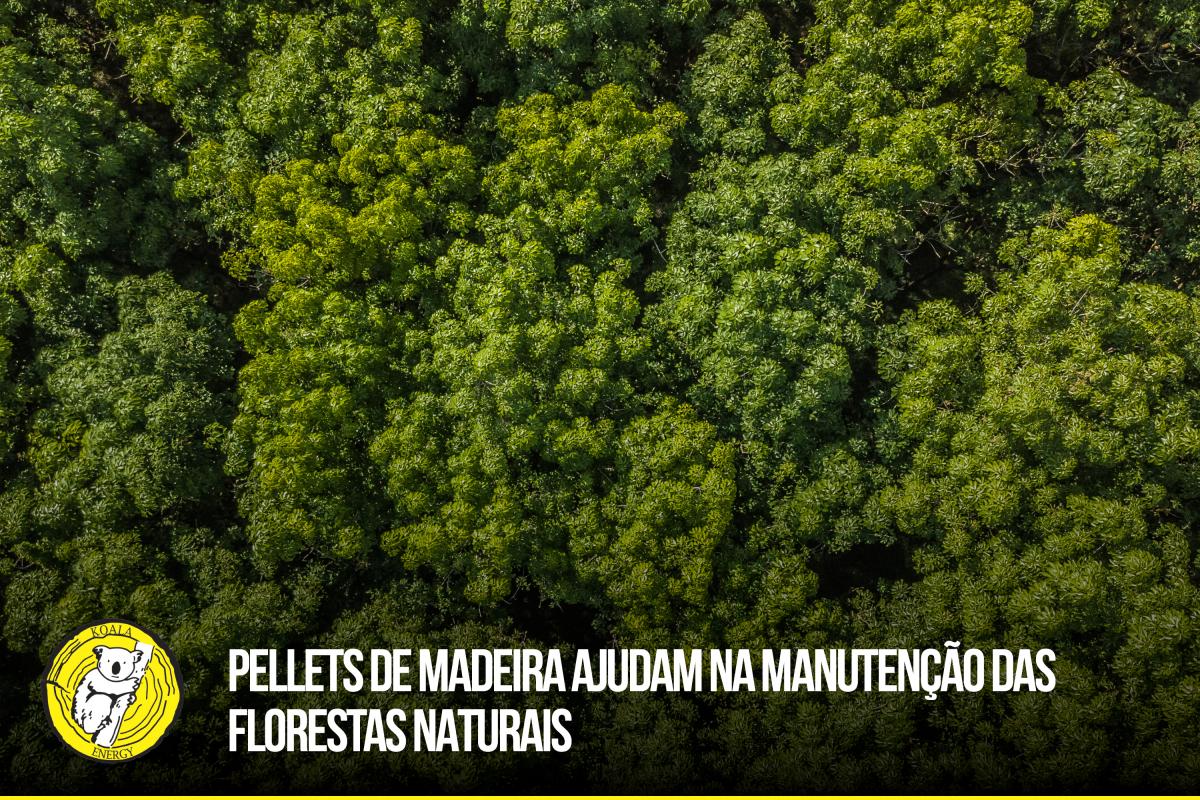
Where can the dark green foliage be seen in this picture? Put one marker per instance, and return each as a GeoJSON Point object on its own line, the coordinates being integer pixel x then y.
{"type": "Point", "coordinates": [857, 323]}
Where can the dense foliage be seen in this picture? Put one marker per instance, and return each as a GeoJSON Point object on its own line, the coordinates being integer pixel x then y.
{"type": "Point", "coordinates": [376, 323]}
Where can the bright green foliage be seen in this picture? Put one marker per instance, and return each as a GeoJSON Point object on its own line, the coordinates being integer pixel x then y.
{"type": "Point", "coordinates": [536, 355]}
{"type": "Point", "coordinates": [336, 338]}
{"type": "Point", "coordinates": [1055, 468]}
{"type": "Point", "coordinates": [666, 520]}
{"type": "Point", "coordinates": [1069, 378]}
{"type": "Point", "coordinates": [341, 198]}
{"type": "Point", "coordinates": [818, 189]}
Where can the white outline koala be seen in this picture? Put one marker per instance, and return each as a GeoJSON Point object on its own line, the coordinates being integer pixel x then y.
{"type": "Point", "coordinates": [107, 690]}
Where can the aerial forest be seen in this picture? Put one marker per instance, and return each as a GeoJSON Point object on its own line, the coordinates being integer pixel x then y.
{"type": "Point", "coordinates": [611, 323]}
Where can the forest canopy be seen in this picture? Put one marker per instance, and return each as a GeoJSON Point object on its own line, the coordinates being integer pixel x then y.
{"type": "Point", "coordinates": [842, 323]}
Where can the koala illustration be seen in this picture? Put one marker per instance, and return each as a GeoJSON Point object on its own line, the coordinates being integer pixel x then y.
{"type": "Point", "coordinates": [107, 690]}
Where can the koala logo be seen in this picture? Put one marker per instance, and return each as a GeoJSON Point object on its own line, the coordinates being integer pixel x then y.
{"type": "Point", "coordinates": [112, 691]}
{"type": "Point", "coordinates": [106, 692]}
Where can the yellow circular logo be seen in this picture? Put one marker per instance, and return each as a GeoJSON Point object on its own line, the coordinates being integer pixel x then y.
{"type": "Point", "coordinates": [112, 690]}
